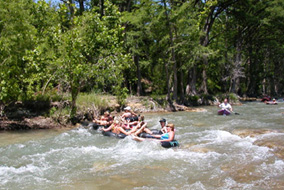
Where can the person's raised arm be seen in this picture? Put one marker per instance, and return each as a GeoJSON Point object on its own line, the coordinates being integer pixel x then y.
{"type": "Point", "coordinates": [133, 123]}
{"type": "Point", "coordinates": [123, 115]}
{"type": "Point", "coordinates": [231, 108]}
{"type": "Point", "coordinates": [133, 113]}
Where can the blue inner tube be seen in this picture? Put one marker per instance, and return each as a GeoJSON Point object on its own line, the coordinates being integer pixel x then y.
{"type": "Point", "coordinates": [170, 144]}
{"type": "Point", "coordinates": [111, 134]}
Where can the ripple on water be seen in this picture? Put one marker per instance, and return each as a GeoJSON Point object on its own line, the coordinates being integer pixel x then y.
{"type": "Point", "coordinates": [236, 152]}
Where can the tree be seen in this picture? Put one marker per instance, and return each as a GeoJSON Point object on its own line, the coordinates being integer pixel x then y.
{"type": "Point", "coordinates": [210, 10]}
{"type": "Point", "coordinates": [92, 49]}
{"type": "Point", "coordinates": [17, 35]}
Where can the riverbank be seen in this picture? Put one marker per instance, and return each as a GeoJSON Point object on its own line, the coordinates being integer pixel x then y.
{"type": "Point", "coordinates": [48, 115]}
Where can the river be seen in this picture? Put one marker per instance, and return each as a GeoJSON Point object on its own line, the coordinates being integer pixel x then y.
{"type": "Point", "coordinates": [244, 151]}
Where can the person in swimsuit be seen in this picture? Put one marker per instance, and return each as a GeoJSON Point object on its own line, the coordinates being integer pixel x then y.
{"type": "Point", "coordinates": [127, 124]}
{"type": "Point", "coordinates": [147, 130]}
{"type": "Point", "coordinates": [116, 127]}
{"type": "Point", "coordinates": [105, 120]}
{"type": "Point", "coordinates": [166, 137]}
{"type": "Point", "coordinates": [141, 126]}
{"type": "Point", "coordinates": [129, 114]}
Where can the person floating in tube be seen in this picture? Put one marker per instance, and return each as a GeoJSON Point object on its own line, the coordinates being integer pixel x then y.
{"type": "Point", "coordinates": [105, 119]}
{"type": "Point", "coordinates": [129, 115]}
{"type": "Point", "coordinates": [226, 108]}
{"type": "Point", "coordinates": [116, 127]}
{"type": "Point", "coordinates": [166, 137]}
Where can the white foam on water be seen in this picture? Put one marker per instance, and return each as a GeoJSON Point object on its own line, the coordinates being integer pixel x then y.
{"type": "Point", "coordinates": [232, 184]}
{"type": "Point", "coordinates": [218, 136]}
{"type": "Point", "coordinates": [195, 186]}
{"type": "Point", "coordinates": [8, 173]}
{"type": "Point", "coordinates": [270, 135]}
{"type": "Point", "coordinates": [81, 131]}
{"type": "Point", "coordinates": [273, 169]}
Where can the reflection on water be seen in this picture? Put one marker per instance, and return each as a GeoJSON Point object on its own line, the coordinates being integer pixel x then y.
{"type": "Point", "coordinates": [216, 152]}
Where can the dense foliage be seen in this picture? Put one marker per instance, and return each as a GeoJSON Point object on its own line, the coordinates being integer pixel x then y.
{"type": "Point", "coordinates": [175, 47]}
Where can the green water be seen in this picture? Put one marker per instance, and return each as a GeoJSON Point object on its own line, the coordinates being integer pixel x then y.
{"type": "Point", "coordinates": [210, 155]}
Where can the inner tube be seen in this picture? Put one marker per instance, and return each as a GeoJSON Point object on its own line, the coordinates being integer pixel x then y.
{"type": "Point", "coordinates": [146, 135]}
{"type": "Point", "coordinates": [271, 103]}
{"type": "Point", "coordinates": [111, 134]}
{"type": "Point", "coordinates": [131, 119]}
{"type": "Point", "coordinates": [85, 123]}
{"type": "Point", "coordinates": [223, 112]}
{"type": "Point", "coordinates": [96, 126]}
{"type": "Point", "coordinates": [156, 132]}
{"type": "Point", "coordinates": [170, 144]}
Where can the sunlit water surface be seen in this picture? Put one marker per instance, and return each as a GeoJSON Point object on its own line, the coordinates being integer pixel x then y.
{"type": "Point", "coordinates": [210, 156]}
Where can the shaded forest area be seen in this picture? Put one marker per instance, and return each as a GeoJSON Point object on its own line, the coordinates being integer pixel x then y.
{"type": "Point", "coordinates": [177, 48]}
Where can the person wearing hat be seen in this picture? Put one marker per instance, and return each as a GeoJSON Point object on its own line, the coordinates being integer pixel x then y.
{"type": "Point", "coordinates": [129, 114]}
{"type": "Point", "coordinates": [163, 125]}
{"type": "Point", "coordinates": [105, 119]}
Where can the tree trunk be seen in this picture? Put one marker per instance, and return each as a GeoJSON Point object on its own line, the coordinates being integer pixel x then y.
{"type": "Point", "coordinates": [237, 70]}
{"type": "Point", "coordinates": [252, 78]}
{"type": "Point", "coordinates": [181, 88]}
{"type": "Point", "coordinates": [203, 88]}
{"type": "Point", "coordinates": [129, 5]}
{"type": "Point", "coordinates": [168, 82]}
{"type": "Point", "coordinates": [75, 88]}
{"type": "Point", "coordinates": [139, 86]}
{"type": "Point", "coordinates": [191, 82]}
{"type": "Point", "coordinates": [173, 58]}
{"type": "Point", "coordinates": [204, 41]}
{"type": "Point", "coordinates": [69, 4]}
{"type": "Point", "coordinates": [102, 8]}
{"type": "Point", "coordinates": [215, 10]}
{"type": "Point", "coordinates": [81, 6]}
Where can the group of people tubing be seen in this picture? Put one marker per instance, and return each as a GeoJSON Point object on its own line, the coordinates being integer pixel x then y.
{"type": "Point", "coordinates": [131, 124]}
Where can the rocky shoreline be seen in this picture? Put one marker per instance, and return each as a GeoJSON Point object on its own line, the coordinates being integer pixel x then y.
{"type": "Point", "coordinates": [34, 115]}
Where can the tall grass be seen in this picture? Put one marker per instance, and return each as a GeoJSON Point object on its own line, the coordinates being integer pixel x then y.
{"type": "Point", "coordinates": [93, 100]}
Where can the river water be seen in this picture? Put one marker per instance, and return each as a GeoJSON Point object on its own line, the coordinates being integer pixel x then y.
{"type": "Point", "coordinates": [216, 152]}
